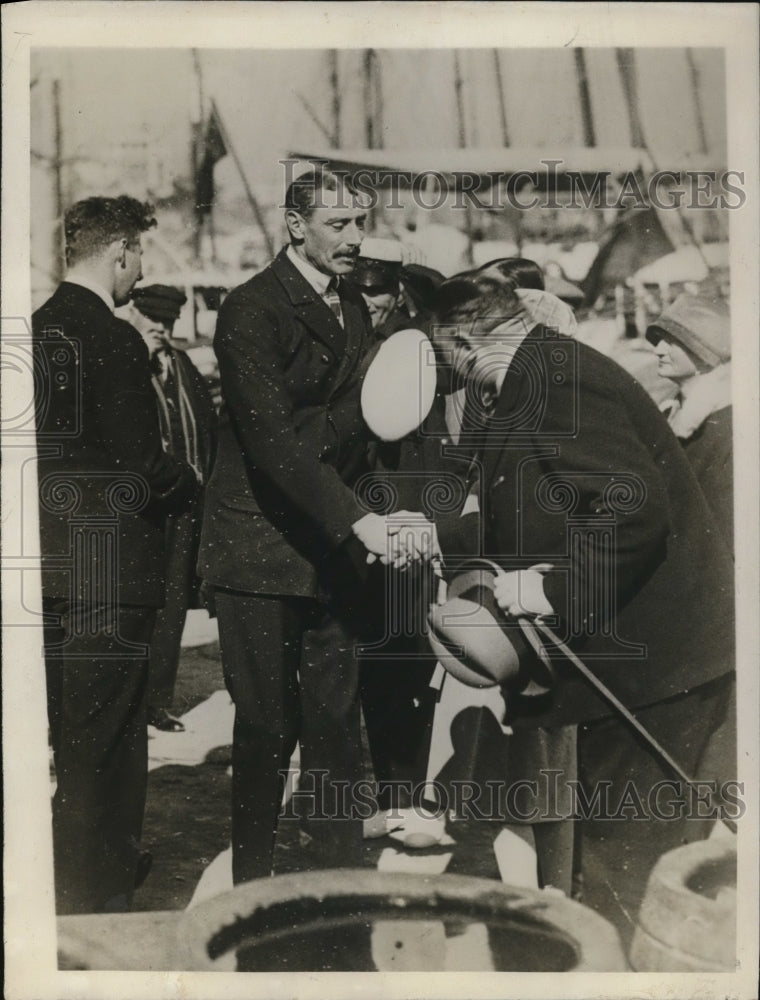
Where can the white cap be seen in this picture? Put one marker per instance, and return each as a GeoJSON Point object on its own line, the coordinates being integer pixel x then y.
{"type": "Point", "coordinates": [375, 248]}
{"type": "Point", "coordinates": [399, 387]}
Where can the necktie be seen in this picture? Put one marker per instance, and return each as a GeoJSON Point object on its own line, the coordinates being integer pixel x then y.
{"type": "Point", "coordinates": [332, 298]}
{"type": "Point", "coordinates": [165, 361]}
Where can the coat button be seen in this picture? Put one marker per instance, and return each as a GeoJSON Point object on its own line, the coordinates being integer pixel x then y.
{"type": "Point", "coordinates": [326, 359]}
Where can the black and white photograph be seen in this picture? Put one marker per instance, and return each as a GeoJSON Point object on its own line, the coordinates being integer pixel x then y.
{"type": "Point", "coordinates": [380, 488]}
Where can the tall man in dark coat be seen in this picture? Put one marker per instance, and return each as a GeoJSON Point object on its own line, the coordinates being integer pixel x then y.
{"type": "Point", "coordinates": [580, 472]}
{"type": "Point", "coordinates": [105, 485]}
{"type": "Point", "coordinates": [188, 429]}
{"type": "Point", "coordinates": [280, 521]}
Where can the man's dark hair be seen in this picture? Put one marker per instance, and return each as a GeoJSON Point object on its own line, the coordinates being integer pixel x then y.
{"type": "Point", "coordinates": [304, 194]}
{"type": "Point", "coordinates": [473, 295]}
{"type": "Point", "coordinates": [92, 224]}
{"type": "Point", "coordinates": [518, 271]}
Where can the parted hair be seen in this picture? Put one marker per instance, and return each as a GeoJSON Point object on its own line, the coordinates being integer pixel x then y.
{"type": "Point", "coordinates": [474, 294]}
{"type": "Point", "coordinates": [304, 194]}
{"type": "Point", "coordinates": [94, 223]}
{"type": "Point", "coordinates": [520, 272]}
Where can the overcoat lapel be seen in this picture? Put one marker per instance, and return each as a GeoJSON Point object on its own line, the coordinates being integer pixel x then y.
{"type": "Point", "coordinates": [355, 341]}
{"type": "Point", "coordinates": [315, 314]}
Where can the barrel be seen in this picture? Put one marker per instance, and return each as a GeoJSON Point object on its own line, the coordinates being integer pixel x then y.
{"type": "Point", "coordinates": [687, 920]}
{"type": "Point", "coordinates": [347, 920]}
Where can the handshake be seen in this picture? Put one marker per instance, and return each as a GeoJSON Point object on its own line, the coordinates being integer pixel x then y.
{"type": "Point", "coordinates": [398, 539]}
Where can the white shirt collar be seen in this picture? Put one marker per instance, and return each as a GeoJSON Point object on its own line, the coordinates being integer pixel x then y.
{"type": "Point", "coordinates": [316, 279]}
{"type": "Point", "coordinates": [92, 286]}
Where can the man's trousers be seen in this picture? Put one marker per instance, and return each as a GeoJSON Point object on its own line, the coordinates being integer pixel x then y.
{"type": "Point", "coordinates": [96, 688]}
{"type": "Point", "coordinates": [290, 668]}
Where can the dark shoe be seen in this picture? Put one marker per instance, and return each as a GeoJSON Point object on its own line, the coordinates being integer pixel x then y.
{"type": "Point", "coordinates": [161, 719]}
{"type": "Point", "coordinates": [142, 869]}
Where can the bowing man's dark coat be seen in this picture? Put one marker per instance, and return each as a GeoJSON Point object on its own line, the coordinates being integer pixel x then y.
{"type": "Point", "coordinates": [99, 449]}
{"type": "Point", "coordinates": [292, 441]}
{"type": "Point", "coordinates": [580, 470]}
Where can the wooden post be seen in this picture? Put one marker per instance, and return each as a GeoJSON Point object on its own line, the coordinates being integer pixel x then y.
{"type": "Point", "coordinates": [625, 60]}
{"type": "Point", "coordinates": [196, 140]}
{"type": "Point", "coordinates": [500, 96]}
{"type": "Point", "coordinates": [587, 117]}
{"type": "Point", "coordinates": [694, 74]}
{"type": "Point", "coordinates": [379, 110]}
{"type": "Point", "coordinates": [462, 142]}
{"type": "Point", "coordinates": [335, 90]}
{"type": "Point", "coordinates": [369, 117]}
{"type": "Point", "coordinates": [461, 129]}
{"type": "Point", "coordinates": [57, 235]}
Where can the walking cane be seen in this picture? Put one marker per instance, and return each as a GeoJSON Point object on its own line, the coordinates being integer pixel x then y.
{"type": "Point", "coordinates": [602, 689]}
{"type": "Point", "coordinates": [534, 628]}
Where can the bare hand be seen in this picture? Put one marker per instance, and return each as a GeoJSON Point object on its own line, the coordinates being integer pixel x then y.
{"type": "Point", "coordinates": [399, 539]}
{"type": "Point", "coordinates": [413, 537]}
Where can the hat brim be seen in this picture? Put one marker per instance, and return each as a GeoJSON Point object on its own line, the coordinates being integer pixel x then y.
{"type": "Point", "coordinates": [399, 387]}
{"type": "Point", "coordinates": [478, 645]}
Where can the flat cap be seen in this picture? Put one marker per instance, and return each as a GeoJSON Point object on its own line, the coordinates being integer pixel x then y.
{"type": "Point", "coordinates": [159, 302]}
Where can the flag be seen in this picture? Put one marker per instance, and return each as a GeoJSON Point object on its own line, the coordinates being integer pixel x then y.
{"type": "Point", "coordinates": [212, 150]}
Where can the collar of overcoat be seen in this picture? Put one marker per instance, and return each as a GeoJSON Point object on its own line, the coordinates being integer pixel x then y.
{"type": "Point", "coordinates": [314, 312]}
{"type": "Point", "coordinates": [521, 401]}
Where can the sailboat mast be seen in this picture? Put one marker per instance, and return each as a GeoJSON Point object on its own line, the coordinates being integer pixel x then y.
{"type": "Point", "coordinates": [500, 97]}
{"type": "Point", "coordinates": [584, 94]}
{"type": "Point", "coordinates": [335, 91]}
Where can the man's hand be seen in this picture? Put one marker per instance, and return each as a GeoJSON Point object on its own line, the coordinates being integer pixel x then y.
{"type": "Point", "coordinates": [412, 536]}
{"type": "Point", "coordinates": [399, 539]}
{"type": "Point", "coordinates": [372, 532]}
{"type": "Point", "coordinates": [522, 592]}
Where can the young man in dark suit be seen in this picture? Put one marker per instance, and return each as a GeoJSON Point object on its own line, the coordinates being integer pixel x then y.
{"type": "Point", "coordinates": [590, 506]}
{"type": "Point", "coordinates": [280, 522]}
{"type": "Point", "coordinates": [105, 486]}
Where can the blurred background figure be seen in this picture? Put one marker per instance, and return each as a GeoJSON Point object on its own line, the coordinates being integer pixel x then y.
{"type": "Point", "coordinates": [397, 292]}
{"type": "Point", "coordinates": [692, 340]}
{"type": "Point", "coordinates": [188, 431]}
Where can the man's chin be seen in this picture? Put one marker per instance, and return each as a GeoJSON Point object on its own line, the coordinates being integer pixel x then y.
{"type": "Point", "coordinates": [343, 265]}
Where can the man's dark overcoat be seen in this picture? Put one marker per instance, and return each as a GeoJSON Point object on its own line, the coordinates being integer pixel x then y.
{"type": "Point", "coordinates": [580, 470]}
{"type": "Point", "coordinates": [291, 439]}
{"type": "Point", "coordinates": [105, 487]}
{"type": "Point", "coordinates": [277, 546]}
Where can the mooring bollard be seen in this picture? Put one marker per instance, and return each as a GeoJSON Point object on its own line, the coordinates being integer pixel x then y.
{"type": "Point", "coordinates": [687, 920]}
{"type": "Point", "coordinates": [358, 920]}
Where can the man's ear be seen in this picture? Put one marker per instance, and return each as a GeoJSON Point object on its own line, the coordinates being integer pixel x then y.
{"type": "Point", "coordinates": [117, 250]}
{"type": "Point", "coordinates": [295, 223]}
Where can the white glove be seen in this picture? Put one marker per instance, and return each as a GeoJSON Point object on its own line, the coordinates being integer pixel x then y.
{"type": "Point", "coordinates": [521, 592]}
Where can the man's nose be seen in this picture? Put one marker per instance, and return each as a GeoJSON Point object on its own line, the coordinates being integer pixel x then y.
{"type": "Point", "coordinates": [353, 235]}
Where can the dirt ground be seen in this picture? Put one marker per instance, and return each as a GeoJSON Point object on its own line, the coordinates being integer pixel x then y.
{"type": "Point", "coordinates": [187, 819]}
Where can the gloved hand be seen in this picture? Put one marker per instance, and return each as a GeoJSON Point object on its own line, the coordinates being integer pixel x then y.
{"type": "Point", "coordinates": [521, 592]}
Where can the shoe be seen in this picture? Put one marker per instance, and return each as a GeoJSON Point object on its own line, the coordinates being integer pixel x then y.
{"type": "Point", "coordinates": [143, 867]}
{"type": "Point", "coordinates": [161, 719]}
